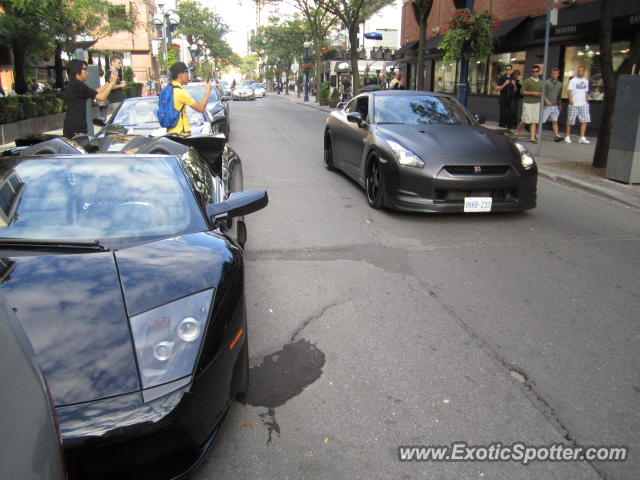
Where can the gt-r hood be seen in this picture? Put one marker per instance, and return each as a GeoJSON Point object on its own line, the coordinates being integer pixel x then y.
{"type": "Point", "coordinates": [459, 144]}
{"type": "Point", "coordinates": [72, 309]}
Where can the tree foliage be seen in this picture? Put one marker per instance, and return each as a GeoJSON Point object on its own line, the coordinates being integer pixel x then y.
{"type": "Point", "coordinates": [319, 23]}
{"type": "Point", "coordinates": [204, 29]}
{"type": "Point", "coordinates": [352, 13]}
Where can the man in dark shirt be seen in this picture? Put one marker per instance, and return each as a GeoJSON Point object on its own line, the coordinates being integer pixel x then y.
{"type": "Point", "coordinates": [116, 97]}
{"type": "Point", "coordinates": [76, 95]}
{"type": "Point", "coordinates": [507, 87]}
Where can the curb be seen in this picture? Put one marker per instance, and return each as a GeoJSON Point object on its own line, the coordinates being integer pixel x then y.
{"type": "Point", "coordinates": [586, 186]}
{"type": "Point", "coordinates": [305, 104]}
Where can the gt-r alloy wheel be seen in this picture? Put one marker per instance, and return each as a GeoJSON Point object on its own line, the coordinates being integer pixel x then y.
{"type": "Point", "coordinates": [328, 152]}
{"type": "Point", "coordinates": [374, 183]}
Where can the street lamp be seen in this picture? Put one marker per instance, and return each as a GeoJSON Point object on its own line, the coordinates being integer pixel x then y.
{"type": "Point", "coordinates": [167, 21]}
{"type": "Point", "coordinates": [306, 46]}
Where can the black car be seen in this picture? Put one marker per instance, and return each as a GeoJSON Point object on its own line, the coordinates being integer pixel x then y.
{"type": "Point", "coordinates": [424, 152]}
{"type": "Point", "coordinates": [217, 107]}
{"type": "Point", "coordinates": [30, 446]}
{"type": "Point", "coordinates": [127, 276]}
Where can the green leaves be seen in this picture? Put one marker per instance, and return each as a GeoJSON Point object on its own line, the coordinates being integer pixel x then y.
{"type": "Point", "coordinates": [471, 29]}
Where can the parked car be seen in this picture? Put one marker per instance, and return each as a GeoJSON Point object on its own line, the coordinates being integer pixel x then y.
{"type": "Point", "coordinates": [30, 444]}
{"type": "Point", "coordinates": [424, 152]}
{"type": "Point", "coordinates": [127, 276]}
{"type": "Point", "coordinates": [138, 116]}
{"type": "Point", "coordinates": [217, 107]}
{"type": "Point", "coordinates": [244, 91]}
{"type": "Point", "coordinates": [260, 89]}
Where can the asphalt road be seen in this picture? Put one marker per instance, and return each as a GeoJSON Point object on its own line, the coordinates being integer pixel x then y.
{"type": "Point", "coordinates": [373, 329]}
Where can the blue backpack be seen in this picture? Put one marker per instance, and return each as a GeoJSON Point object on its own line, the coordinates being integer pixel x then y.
{"type": "Point", "coordinates": [168, 116]}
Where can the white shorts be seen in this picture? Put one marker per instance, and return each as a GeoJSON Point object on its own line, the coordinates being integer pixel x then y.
{"type": "Point", "coordinates": [550, 113]}
{"type": "Point", "coordinates": [530, 112]}
{"type": "Point", "coordinates": [581, 112]}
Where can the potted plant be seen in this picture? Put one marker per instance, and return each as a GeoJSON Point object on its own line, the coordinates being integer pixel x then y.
{"type": "Point", "coordinates": [334, 98]}
{"type": "Point", "coordinates": [323, 94]}
{"type": "Point", "coordinates": [470, 31]}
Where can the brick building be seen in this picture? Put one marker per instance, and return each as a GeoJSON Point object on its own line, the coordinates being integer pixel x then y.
{"type": "Point", "coordinates": [520, 41]}
{"type": "Point", "coordinates": [136, 47]}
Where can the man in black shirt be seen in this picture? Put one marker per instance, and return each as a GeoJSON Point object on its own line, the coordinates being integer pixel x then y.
{"type": "Point", "coordinates": [76, 95]}
{"type": "Point", "coordinates": [117, 92]}
{"type": "Point", "coordinates": [507, 87]}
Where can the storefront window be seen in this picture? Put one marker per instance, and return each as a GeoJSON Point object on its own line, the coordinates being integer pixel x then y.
{"type": "Point", "coordinates": [497, 64]}
{"type": "Point", "coordinates": [477, 76]}
{"type": "Point", "coordinates": [587, 56]}
{"type": "Point", "coordinates": [445, 77]}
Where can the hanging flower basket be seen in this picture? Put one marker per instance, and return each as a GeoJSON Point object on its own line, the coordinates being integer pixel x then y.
{"type": "Point", "coordinates": [469, 30]}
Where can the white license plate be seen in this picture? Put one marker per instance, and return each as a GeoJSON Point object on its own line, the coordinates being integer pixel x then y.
{"type": "Point", "coordinates": [477, 204]}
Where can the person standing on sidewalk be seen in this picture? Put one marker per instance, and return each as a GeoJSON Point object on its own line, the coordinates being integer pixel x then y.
{"type": "Point", "coordinates": [552, 105]}
{"type": "Point", "coordinates": [116, 97]}
{"type": "Point", "coordinates": [506, 85]}
{"type": "Point", "coordinates": [578, 93]}
{"type": "Point", "coordinates": [76, 95]}
{"type": "Point", "coordinates": [531, 91]}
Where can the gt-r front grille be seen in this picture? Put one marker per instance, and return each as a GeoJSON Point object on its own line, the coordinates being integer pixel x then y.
{"type": "Point", "coordinates": [476, 169]}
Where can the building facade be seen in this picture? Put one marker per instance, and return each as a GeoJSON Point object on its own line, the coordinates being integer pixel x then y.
{"type": "Point", "coordinates": [135, 48]}
{"type": "Point", "coordinates": [520, 42]}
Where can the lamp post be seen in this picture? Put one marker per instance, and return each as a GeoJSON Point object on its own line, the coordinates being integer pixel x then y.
{"type": "Point", "coordinates": [306, 70]}
{"type": "Point", "coordinates": [167, 20]}
{"type": "Point", "coordinates": [194, 56]}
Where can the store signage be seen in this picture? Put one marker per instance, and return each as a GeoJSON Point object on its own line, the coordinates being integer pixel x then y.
{"type": "Point", "coordinates": [566, 30]}
{"type": "Point", "coordinates": [634, 19]}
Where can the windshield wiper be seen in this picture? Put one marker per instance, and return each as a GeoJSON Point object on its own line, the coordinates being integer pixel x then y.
{"type": "Point", "coordinates": [40, 244]}
{"type": "Point", "coordinates": [390, 123]}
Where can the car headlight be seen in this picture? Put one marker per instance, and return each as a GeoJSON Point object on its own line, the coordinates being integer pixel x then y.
{"type": "Point", "coordinates": [526, 159]}
{"type": "Point", "coordinates": [404, 156]}
{"type": "Point", "coordinates": [167, 339]}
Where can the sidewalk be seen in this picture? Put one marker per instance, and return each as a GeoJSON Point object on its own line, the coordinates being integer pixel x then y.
{"type": "Point", "coordinates": [568, 164]}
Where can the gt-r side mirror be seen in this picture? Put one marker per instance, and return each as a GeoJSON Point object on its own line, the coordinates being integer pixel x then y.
{"type": "Point", "coordinates": [237, 205]}
{"type": "Point", "coordinates": [226, 97]}
{"type": "Point", "coordinates": [480, 118]}
{"type": "Point", "coordinates": [355, 117]}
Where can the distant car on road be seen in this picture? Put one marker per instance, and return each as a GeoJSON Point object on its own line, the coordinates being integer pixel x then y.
{"type": "Point", "coordinates": [260, 89]}
{"type": "Point", "coordinates": [424, 152]}
{"type": "Point", "coordinates": [127, 274]}
{"type": "Point", "coordinates": [244, 91]}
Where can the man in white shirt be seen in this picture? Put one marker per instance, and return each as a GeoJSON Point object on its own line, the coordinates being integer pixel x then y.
{"type": "Point", "coordinates": [578, 92]}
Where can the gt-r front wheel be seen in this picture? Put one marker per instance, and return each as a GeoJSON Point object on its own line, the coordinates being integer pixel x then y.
{"type": "Point", "coordinates": [328, 152]}
{"type": "Point", "coordinates": [374, 183]}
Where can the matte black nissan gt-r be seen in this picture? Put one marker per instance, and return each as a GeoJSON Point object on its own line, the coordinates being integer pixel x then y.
{"type": "Point", "coordinates": [129, 282]}
{"type": "Point", "coordinates": [424, 152]}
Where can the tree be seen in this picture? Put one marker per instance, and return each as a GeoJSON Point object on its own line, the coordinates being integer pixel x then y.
{"type": "Point", "coordinates": [204, 29]}
{"type": "Point", "coordinates": [319, 22]}
{"type": "Point", "coordinates": [421, 10]}
{"type": "Point", "coordinates": [96, 18]}
{"type": "Point", "coordinates": [282, 44]}
{"type": "Point", "coordinates": [610, 80]}
{"type": "Point", "coordinates": [248, 65]}
{"type": "Point", "coordinates": [352, 13]}
{"type": "Point", "coordinates": [26, 27]}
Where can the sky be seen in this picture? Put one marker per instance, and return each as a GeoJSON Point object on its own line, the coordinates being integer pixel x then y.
{"type": "Point", "coordinates": [240, 15]}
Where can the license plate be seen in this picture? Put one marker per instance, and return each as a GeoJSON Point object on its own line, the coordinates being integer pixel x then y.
{"type": "Point", "coordinates": [477, 204]}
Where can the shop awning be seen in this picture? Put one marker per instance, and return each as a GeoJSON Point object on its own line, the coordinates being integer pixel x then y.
{"type": "Point", "coordinates": [507, 26]}
{"type": "Point", "coordinates": [406, 47]}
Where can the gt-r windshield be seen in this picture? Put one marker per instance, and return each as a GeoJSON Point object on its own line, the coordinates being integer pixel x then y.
{"type": "Point", "coordinates": [419, 110]}
{"type": "Point", "coordinates": [82, 199]}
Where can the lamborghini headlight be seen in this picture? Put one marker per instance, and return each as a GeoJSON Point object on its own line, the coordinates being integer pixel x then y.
{"type": "Point", "coordinates": [526, 159]}
{"type": "Point", "coordinates": [167, 339]}
{"type": "Point", "coordinates": [404, 156]}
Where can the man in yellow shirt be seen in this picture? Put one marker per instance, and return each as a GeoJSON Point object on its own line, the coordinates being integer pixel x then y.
{"type": "Point", "coordinates": [181, 99]}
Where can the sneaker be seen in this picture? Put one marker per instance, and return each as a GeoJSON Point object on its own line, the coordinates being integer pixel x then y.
{"type": "Point", "coordinates": [558, 139]}
{"type": "Point", "coordinates": [567, 139]}
{"type": "Point", "coordinates": [583, 140]}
